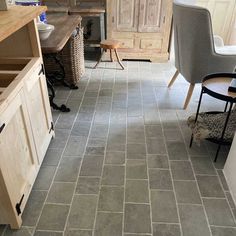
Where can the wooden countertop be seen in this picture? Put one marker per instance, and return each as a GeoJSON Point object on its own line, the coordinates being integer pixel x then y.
{"type": "Point", "coordinates": [87, 10]}
{"type": "Point", "coordinates": [64, 27]}
{"type": "Point", "coordinates": [16, 17]}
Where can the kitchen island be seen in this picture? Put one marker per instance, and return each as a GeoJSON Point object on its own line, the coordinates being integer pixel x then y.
{"type": "Point", "coordinates": [26, 126]}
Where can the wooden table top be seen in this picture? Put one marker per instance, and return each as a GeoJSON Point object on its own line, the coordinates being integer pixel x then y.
{"type": "Point", "coordinates": [87, 11]}
{"type": "Point", "coordinates": [64, 27]}
{"type": "Point", "coordinates": [219, 85]}
{"type": "Point", "coordinates": [16, 17]}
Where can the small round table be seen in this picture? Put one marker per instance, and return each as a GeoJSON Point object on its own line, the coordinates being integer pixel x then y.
{"type": "Point", "coordinates": [216, 85]}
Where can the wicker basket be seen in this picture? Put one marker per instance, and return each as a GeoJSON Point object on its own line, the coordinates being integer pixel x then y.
{"type": "Point", "coordinates": [71, 57]}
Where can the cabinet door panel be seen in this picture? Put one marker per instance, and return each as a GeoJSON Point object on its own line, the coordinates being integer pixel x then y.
{"type": "Point", "coordinates": [151, 15]}
{"type": "Point", "coordinates": [39, 111]}
{"type": "Point", "coordinates": [151, 44]}
{"type": "Point", "coordinates": [18, 162]}
{"type": "Point", "coordinates": [125, 15]}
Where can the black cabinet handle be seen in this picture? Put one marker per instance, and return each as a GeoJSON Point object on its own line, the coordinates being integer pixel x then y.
{"type": "Point", "coordinates": [2, 127]}
{"type": "Point", "coordinates": [41, 70]}
{"type": "Point", "coordinates": [18, 205]}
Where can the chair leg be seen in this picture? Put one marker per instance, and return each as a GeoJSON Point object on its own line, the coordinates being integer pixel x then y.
{"type": "Point", "coordinates": [111, 56]}
{"type": "Point", "coordinates": [118, 59]}
{"type": "Point", "coordinates": [99, 60]}
{"type": "Point", "coordinates": [189, 95]}
{"type": "Point", "coordinates": [173, 78]}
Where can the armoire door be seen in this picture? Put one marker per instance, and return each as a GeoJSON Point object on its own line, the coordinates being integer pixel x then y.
{"type": "Point", "coordinates": [124, 15]}
{"type": "Point", "coordinates": [222, 14]}
{"type": "Point", "coordinates": [152, 15]}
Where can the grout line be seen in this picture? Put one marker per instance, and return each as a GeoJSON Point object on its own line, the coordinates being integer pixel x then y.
{"type": "Point", "coordinates": [105, 150]}
{"type": "Point", "coordinates": [57, 167]}
{"type": "Point", "coordinates": [198, 188]}
{"type": "Point", "coordinates": [126, 138]}
{"type": "Point", "coordinates": [145, 139]}
{"type": "Point", "coordinates": [170, 170]}
{"type": "Point", "coordinates": [67, 218]}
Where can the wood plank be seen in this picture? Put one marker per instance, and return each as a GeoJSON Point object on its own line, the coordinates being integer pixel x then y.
{"type": "Point", "coordinates": [64, 27]}
{"type": "Point", "coordinates": [16, 17]}
{"type": "Point", "coordinates": [87, 10]}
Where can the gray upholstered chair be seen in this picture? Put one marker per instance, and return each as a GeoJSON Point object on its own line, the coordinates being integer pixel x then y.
{"type": "Point", "coordinates": [195, 53]}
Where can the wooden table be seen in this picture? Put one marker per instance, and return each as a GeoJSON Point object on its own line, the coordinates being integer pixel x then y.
{"type": "Point", "coordinates": [64, 27]}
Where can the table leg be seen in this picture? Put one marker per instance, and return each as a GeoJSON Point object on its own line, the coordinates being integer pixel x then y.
{"type": "Point", "coordinates": [111, 55]}
{"type": "Point", "coordinates": [223, 132]}
{"type": "Point", "coordinates": [118, 59]}
{"type": "Point", "coordinates": [62, 108]}
{"type": "Point", "coordinates": [198, 109]}
{"type": "Point", "coordinates": [102, 27]}
{"type": "Point", "coordinates": [226, 106]}
{"type": "Point", "coordinates": [99, 60]}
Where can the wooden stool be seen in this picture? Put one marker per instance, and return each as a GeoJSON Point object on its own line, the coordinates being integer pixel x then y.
{"type": "Point", "coordinates": [110, 44]}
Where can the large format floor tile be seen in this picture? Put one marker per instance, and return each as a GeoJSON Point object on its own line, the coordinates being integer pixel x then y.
{"type": "Point", "coordinates": [137, 218]}
{"type": "Point", "coordinates": [120, 163]}
{"type": "Point", "coordinates": [193, 220]}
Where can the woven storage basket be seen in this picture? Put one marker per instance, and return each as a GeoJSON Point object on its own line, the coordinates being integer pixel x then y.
{"type": "Point", "coordinates": [71, 57]}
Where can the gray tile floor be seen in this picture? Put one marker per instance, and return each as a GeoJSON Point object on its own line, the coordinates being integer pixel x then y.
{"type": "Point", "coordinates": [120, 163]}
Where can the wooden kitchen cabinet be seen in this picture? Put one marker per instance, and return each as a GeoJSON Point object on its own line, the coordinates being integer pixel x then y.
{"type": "Point", "coordinates": [26, 126]}
{"type": "Point", "coordinates": [39, 109]}
{"type": "Point", "coordinates": [18, 160]}
{"type": "Point", "coordinates": [142, 26]}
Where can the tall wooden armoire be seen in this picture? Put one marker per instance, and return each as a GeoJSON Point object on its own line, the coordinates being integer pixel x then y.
{"type": "Point", "coordinates": [142, 26]}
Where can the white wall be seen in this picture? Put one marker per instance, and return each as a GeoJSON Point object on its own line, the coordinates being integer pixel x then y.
{"type": "Point", "coordinates": [230, 169]}
{"type": "Point", "coordinates": [190, 2]}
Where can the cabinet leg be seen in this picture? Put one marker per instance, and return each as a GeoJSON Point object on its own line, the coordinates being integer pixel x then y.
{"type": "Point", "coordinates": [16, 224]}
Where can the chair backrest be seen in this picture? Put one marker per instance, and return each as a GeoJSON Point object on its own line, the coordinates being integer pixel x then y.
{"type": "Point", "coordinates": [193, 39]}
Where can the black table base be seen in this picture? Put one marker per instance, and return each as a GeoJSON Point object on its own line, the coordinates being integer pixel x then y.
{"type": "Point", "coordinates": [57, 77]}
{"type": "Point", "coordinates": [229, 101]}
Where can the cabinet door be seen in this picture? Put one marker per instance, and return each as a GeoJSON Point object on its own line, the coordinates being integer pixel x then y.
{"type": "Point", "coordinates": [124, 15]}
{"type": "Point", "coordinates": [18, 160]}
{"type": "Point", "coordinates": [36, 94]}
{"type": "Point", "coordinates": [222, 13]}
{"type": "Point", "coordinates": [152, 15]}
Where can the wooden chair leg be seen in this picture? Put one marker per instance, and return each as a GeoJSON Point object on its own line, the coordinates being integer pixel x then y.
{"type": "Point", "coordinates": [111, 55]}
{"type": "Point", "coordinates": [173, 78]}
{"type": "Point", "coordinates": [189, 95]}
{"type": "Point", "coordinates": [100, 59]}
{"type": "Point", "coordinates": [118, 59]}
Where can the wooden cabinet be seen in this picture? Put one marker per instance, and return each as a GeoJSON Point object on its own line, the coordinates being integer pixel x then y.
{"type": "Point", "coordinates": [125, 15]}
{"type": "Point", "coordinates": [25, 115]}
{"type": "Point", "coordinates": [39, 109]}
{"type": "Point", "coordinates": [142, 26]}
{"type": "Point", "coordinates": [19, 159]}
{"type": "Point", "coordinates": [222, 13]}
